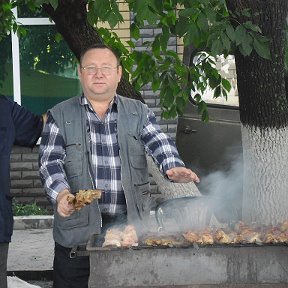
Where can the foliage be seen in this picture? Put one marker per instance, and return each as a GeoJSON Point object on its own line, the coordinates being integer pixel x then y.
{"type": "Point", "coordinates": [28, 209]}
{"type": "Point", "coordinates": [207, 25]}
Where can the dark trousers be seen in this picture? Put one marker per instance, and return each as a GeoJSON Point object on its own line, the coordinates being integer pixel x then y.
{"type": "Point", "coordinates": [74, 272]}
{"type": "Point", "coordinates": [70, 272]}
{"type": "Point", "coordinates": [3, 264]}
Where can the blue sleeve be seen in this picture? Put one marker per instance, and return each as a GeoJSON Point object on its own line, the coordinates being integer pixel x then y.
{"type": "Point", "coordinates": [28, 126]}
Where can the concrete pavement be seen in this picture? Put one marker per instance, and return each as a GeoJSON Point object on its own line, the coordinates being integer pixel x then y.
{"type": "Point", "coordinates": [31, 249]}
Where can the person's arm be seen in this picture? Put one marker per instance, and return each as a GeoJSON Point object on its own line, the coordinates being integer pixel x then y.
{"type": "Point", "coordinates": [164, 152]}
{"type": "Point", "coordinates": [28, 126]}
{"type": "Point", "coordinates": [51, 160]}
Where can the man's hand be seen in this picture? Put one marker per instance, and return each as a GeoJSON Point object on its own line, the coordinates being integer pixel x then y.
{"type": "Point", "coordinates": [63, 207]}
{"type": "Point", "coordinates": [182, 175]}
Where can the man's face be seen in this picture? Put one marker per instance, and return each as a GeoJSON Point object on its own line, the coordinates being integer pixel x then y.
{"type": "Point", "coordinates": [99, 74]}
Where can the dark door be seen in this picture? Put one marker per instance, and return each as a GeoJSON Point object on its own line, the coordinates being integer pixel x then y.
{"type": "Point", "coordinates": [214, 151]}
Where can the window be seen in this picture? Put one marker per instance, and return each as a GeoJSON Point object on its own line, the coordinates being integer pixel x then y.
{"type": "Point", "coordinates": [227, 69]}
{"type": "Point", "coordinates": [39, 72]}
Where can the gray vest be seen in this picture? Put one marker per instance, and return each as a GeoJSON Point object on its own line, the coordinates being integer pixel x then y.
{"type": "Point", "coordinates": [71, 119]}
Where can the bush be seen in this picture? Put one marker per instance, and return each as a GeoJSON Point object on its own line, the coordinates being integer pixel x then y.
{"type": "Point", "coordinates": [28, 209]}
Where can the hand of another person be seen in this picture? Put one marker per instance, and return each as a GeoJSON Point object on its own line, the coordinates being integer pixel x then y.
{"type": "Point", "coordinates": [63, 207]}
{"type": "Point", "coordinates": [182, 175]}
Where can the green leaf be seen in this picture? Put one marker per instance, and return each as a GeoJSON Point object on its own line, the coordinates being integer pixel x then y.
{"type": "Point", "coordinates": [205, 116]}
{"type": "Point", "coordinates": [197, 97]}
{"type": "Point", "coordinates": [193, 35]}
{"type": "Point", "coordinates": [226, 84]}
{"type": "Point", "coordinates": [156, 46]}
{"type": "Point", "coordinates": [202, 23]}
{"type": "Point", "coordinates": [217, 92]}
{"type": "Point", "coordinates": [240, 32]}
{"type": "Point", "coordinates": [180, 103]}
{"type": "Point", "coordinates": [54, 3]}
{"type": "Point", "coordinates": [164, 38]}
{"type": "Point", "coordinates": [246, 46]}
{"type": "Point", "coordinates": [156, 84]}
{"type": "Point", "coordinates": [230, 32]}
{"type": "Point", "coordinates": [58, 37]}
{"type": "Point", "coordinates": [181, 26]}
{"type": "Point", "coordinates": [217, 47]}
{"type": "Point", "coordinates": [131, 44]}
{"type": "Point", "coordinates": [261, 46]}
{"type": "Point", "coordinates": [201, 107]}
{"type": "Point", "coordinates": [226, 42]}
{"type": "Point", "coordinates": [135, 31]}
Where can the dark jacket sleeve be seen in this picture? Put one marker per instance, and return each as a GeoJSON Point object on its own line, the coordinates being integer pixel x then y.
{"type": "Point", "coordinates": [28, 126]}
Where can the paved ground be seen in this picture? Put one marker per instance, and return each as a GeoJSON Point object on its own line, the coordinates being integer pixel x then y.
{"type": "Point", "coordinates": [31, 250]}
{"type": "Point", "coordinates": [30, 256]}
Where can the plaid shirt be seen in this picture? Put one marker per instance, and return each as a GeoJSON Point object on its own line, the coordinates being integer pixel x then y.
{"type": "Point", "coordinates": [105, 155]}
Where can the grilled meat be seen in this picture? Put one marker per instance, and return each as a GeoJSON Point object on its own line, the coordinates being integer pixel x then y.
{"type": "Point", "coordinates": [83, 197]}
{"type": "Point", "coordinates": [129, 237]}
{"type": "Point", "coordinates": [114, 237]}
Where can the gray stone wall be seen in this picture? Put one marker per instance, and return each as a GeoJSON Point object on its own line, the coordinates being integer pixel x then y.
{"type": "Point", "coordinates": [26, 186]}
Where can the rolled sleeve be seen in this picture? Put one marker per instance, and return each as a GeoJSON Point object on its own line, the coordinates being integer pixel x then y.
{"type": "Point", "coordinates": [51, 160]}
{"type": "Point", "coordinates": [160, 146]}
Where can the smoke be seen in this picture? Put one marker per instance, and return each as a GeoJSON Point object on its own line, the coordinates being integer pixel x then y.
{"type": "Point", "coordinates": [220, 204]}
{"type": "Point", "coordinates": [224, 189]}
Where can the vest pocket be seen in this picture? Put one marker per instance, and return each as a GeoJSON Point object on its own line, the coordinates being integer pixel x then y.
{"type": "Point", "coordinates": [77, 228]}
{"type": "Point", "coordinates": [76, 219]}
{"type": "Point", "coordinates": [139, 169]}
{"type": "Point", "coordinates": [143, 199]}
{"type": "Point", "coordinates": [73, 160]}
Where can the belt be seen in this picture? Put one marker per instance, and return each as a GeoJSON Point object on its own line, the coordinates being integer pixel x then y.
{"type": "Point", "coordinates": [75, 251]}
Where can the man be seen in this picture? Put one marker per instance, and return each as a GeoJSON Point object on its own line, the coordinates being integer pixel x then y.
{"type": "Point", "coordinates": [20, 127]}
{"type": "Point", "coordinates": [99, 140]}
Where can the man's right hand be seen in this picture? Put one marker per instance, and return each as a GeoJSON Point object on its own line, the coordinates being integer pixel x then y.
{"type": "Point", "coordinates": [63, 207]}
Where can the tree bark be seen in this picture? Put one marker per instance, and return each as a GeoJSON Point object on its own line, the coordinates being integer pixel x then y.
{"type": "Point", "coordinates": [70, 19]}
{"type": "Point", "coordinates": [265, 186]}
{"type": "Point", "coordinates": [261, 83]}
{"type": "Point", "coordinates": [264, 116]}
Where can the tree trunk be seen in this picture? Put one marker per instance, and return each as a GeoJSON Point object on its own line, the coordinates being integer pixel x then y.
{"type": "Point", "coordinates": [265, 186]}
{"type": "Point", "coordinates": [264, 116]}
{"type": "Point", "coordinates": [70, 19]}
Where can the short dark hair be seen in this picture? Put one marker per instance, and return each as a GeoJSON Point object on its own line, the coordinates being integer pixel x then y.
{"type": "Point", "coordinates": [99, 46]}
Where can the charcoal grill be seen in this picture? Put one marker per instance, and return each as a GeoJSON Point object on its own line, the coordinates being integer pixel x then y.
{"type": "Point", "coordinates": [243, 265]}
{"type": "Point", "coordinates": [187, 264]}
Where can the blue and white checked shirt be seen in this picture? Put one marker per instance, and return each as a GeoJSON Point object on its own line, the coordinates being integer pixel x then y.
{"type": "Point", "coordinates": [105, 155]}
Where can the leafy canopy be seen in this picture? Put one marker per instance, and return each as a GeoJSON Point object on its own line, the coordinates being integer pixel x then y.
{"type": "Point", "coordinates": [206, 25]}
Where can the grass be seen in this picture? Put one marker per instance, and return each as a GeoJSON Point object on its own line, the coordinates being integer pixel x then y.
{"type": "Point", "coordinates": [28, 209]}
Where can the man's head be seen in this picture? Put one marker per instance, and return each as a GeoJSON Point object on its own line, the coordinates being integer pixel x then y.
{"type": "Point", "coordinates": [99, 72]}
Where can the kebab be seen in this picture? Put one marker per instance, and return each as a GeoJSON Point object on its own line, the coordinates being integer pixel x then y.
{"type": "Point", "coordinates": [115, 237]}
{"type": "Point", "coordinates": [83, 198]}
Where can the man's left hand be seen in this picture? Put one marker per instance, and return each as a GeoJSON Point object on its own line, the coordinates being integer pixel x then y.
{"type": "Point", "coordinates": [182, 175]}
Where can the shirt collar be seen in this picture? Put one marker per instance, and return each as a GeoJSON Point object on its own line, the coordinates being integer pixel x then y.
{"type": "Point", "coordinates": [83, 101]}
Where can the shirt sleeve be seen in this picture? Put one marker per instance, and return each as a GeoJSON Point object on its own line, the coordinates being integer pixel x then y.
{"type": "Point", "coordinates": [28, 126]}
{"type": "Point", "coordinates": [159, 145]}
{"type": "Point", "coordinates": [51, 160]}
